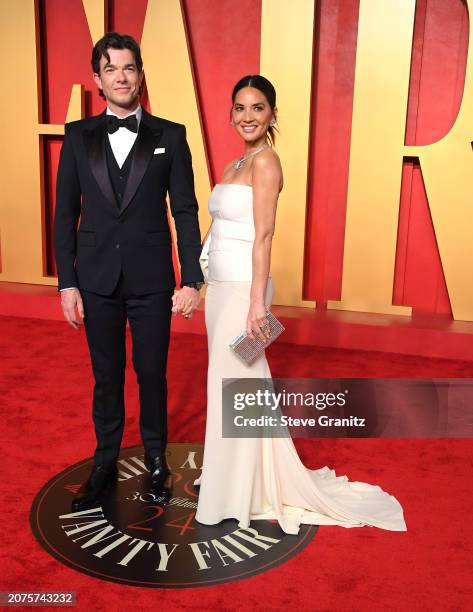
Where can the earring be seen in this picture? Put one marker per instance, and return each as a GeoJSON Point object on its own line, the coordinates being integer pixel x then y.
{"type": "Point", "coordinates": [272, 123]}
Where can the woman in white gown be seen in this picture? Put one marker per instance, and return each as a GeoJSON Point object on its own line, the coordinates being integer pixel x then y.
{"type": "Point", "coordinates": [260, 478]}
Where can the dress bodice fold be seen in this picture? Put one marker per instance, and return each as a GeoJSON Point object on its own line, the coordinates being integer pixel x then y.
{"type": "Point", "coordinates": [232, 233]}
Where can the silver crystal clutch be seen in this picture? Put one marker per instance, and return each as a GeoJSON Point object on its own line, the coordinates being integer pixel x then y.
{"type": "Point", "coordinates": [249, 350]}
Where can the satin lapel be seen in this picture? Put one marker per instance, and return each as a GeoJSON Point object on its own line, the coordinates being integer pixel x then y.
{"type": "Point", "coordinates": [94, 141]}
{"type": "Point", "coordinates": [145, 144]}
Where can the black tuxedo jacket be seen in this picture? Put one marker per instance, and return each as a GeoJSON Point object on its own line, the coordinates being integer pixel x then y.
{"type": "Point", "coordinates": [134, 238]}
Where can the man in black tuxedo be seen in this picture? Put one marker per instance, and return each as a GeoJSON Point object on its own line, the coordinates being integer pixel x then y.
{"type": "Point", "coordinates": [114, 172]}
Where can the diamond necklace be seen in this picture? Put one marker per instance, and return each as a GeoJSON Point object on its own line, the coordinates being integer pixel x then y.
{"type": "Point", "coordinates": [240, 162]}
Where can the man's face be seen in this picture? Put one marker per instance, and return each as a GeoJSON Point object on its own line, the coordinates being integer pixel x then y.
{"type": "Point", "coordinates": [119, 79]}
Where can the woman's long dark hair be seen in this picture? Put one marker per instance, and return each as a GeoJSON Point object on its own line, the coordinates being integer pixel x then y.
{"type": "Point", "coordinates": [265, 87]}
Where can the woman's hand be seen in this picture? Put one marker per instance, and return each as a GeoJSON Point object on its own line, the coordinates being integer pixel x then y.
{"type": "Point", "coordinates": [185, 301]}
{"type": "Point", "coordinates": [256, 322]}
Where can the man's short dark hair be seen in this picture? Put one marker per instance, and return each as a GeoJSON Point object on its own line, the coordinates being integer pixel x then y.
{"type": "Point", "coordinates": [114, 40]}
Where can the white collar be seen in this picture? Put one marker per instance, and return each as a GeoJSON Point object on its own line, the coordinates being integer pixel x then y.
{"type": "Point", "coordinates": [138, 112]}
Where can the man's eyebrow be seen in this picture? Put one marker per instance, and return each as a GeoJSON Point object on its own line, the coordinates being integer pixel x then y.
{"type": "Point", "coordinates": [110, 65]}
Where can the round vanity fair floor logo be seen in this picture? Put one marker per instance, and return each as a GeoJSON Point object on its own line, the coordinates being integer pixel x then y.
{"type": "Point", "coordinates": [140, 537]}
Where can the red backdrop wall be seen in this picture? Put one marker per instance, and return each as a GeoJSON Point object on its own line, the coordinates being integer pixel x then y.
{"type": "Point", "coordinates": [224, 42]}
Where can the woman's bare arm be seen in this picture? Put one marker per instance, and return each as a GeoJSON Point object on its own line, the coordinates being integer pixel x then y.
{"type": "Point", "coordinates": [267, 181]}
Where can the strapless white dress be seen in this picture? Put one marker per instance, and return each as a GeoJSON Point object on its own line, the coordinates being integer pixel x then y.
{"type": "Point", "coordinates": [262, 478]}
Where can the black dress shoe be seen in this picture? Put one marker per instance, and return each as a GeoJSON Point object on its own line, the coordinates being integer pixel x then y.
{"type": "Point", "coordinates": [158, 469]}
{"type": "Point", "coordinates": [100, 478]}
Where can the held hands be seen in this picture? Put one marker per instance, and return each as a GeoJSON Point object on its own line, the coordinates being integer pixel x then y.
{"type": "Point", "coordinates": [70, 300]}
{"type": "Point", "coordinates": [185, 301]}
{"type": "Point", "coordinates": [256, 322]}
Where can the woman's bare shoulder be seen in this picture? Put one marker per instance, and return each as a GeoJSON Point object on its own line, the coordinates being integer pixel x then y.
{"type": "Point", "coordinates": [267, 166]}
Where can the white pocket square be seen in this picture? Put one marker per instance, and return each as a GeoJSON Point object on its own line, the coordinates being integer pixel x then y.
{"type": "Point", "coordinates": [159, 150]}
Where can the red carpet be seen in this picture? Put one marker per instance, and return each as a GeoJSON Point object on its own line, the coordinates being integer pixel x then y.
{"type": "Point", "coordinates": [45, 395]}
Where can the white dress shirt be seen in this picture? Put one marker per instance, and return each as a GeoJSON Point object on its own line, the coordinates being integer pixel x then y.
{"type": "Point", "coordinates": [121, 142]}
{"type": "Point", "coordinates": [123, 139]}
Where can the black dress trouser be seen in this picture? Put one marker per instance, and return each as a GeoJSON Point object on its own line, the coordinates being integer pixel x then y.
{"type": "Point", "coordinates": [105, 320]}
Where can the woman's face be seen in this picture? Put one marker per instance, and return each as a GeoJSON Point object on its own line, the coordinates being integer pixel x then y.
{"type": "Point", "coordinates": [251, 114]}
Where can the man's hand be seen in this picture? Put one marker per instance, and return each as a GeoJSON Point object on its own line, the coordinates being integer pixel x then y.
{"type": "Point", "coordinates": [70, 300]}
{"type": "Point", "coordinates": [185, 301]}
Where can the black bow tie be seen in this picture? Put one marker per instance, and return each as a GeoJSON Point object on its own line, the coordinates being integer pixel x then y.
{"type": "Point", "coordinates": [130, 123]}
